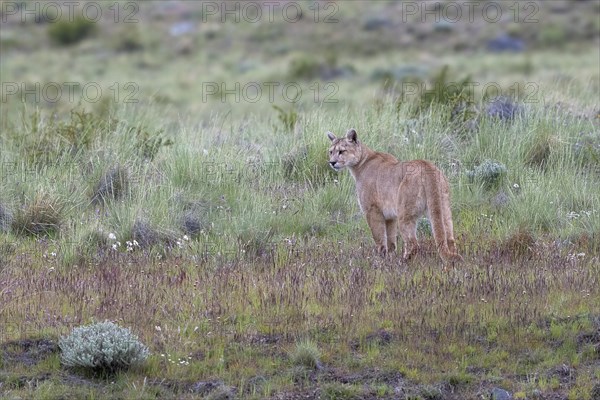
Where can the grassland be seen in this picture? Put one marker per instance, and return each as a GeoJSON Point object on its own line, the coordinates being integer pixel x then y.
{"type": "Point", "coordinates": [216, 231]}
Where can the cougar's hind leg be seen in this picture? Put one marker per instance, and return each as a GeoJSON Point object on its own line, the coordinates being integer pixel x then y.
{"type": "Point", "coordinates": [391, 229]}
{"type": "Point", "coordinates": [408, 231]}
{"type": "Point", "coordinates": [376, 223]}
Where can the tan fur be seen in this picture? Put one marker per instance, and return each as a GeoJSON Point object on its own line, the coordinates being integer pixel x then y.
{"type": "Point", "coordinates": [394, 195]}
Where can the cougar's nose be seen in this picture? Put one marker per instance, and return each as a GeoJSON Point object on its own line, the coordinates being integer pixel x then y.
{"type": "Point", "coordinates": [332, 163]}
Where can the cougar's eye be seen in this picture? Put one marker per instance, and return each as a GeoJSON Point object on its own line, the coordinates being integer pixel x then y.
{"type": "Point", "coordinates": [342, 151]}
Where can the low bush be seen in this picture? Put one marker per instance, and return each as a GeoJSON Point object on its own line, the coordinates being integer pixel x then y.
{"type": "Point", "coordinates": [41, 217]}
{"type": "Point", "coordinates": [306, 355]}
{"type": "Point", "coordinates": [102, 346]}
{"type": "Point", "coordinates": [489, 174]}
{"type": "Point", "coordinates": [67, 32]}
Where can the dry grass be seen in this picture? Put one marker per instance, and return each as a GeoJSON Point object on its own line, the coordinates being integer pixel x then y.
{"type": "Point", "coordinates": [40, 217]}
{"type": "Point", "coordinates": [237, 319]}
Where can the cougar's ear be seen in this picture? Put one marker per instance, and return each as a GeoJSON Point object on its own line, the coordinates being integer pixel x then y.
{"type": "Point", "coordinates": [331, 136]}
{"type": "Point", "coordinates": [351, 135]}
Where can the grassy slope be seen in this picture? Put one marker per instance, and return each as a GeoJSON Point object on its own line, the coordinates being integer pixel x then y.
{"type": "Point", "coordinates": [283, 254]}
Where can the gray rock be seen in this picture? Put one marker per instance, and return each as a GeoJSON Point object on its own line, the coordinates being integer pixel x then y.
{"type": "Point", "coordinates": [504, 43]}
{"type": "Point", "coordinates": [181, 28]}
{"type": "Point", "coordinates": [376, 23]}
{"type": "Point", "coordinates": [444, 26]}
{"type": "Point", "coordinates": [503, 108]}
{"type": "Point", "coordinates": [500, 394]}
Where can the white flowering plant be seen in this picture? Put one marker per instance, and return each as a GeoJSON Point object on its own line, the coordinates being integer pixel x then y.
{"type": "Point", "coordinates": [489, 173]}
{"type": "Point", "coordinates": [102, 346]}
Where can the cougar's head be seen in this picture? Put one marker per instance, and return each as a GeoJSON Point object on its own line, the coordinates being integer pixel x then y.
{"type": "Point", "coordinates": [344, 152]}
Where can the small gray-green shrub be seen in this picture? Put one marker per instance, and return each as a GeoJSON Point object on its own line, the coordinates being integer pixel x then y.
{"type": "Point", "coordinates": [307, 355]}
{"type": "Point", "coordinates": [102, 346]}
{"type": "Point", "coordinates": [66, 32]}
{"type": "Point", "coordinates": [489, 174]}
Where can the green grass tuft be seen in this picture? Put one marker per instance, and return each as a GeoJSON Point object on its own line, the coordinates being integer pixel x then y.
{"type": "Point", "coordinates": [306, 354]}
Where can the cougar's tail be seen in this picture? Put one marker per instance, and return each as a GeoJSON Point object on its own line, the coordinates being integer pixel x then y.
{"type": "Point", "coordinates": [438, 208]}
